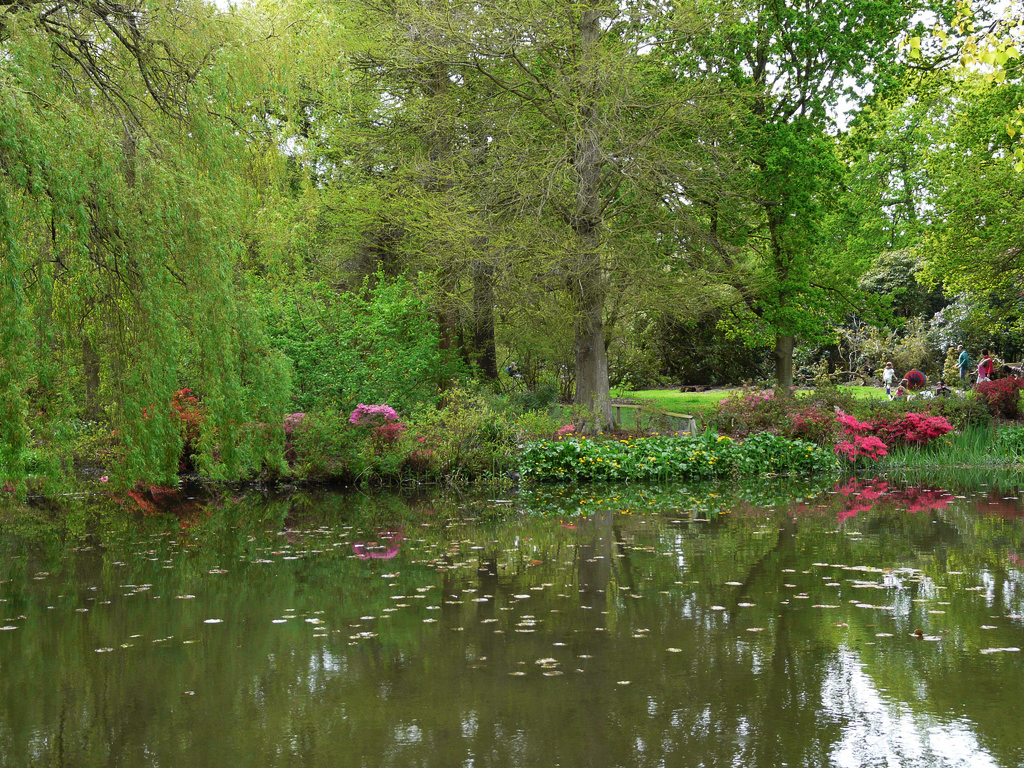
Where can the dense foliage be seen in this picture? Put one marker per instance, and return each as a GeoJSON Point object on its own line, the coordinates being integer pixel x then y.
{"type": "Point", "coordinates": [211, 220]}
{"type": "Point", "coordinates": [376, 344]}
{"type": "Point", "coordinates": [688, 457]}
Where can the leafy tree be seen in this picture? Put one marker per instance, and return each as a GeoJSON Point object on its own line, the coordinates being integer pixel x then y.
{"type": "Point", "coordinates": [975, 238]}
{"type": "Point", "coordinates": [895, 274]}
{"type": "Point", "coordinates": [570, 157]}
{"type": "Point", "coordinates": [801, 62]}
{"type": "Point", "coordinates": [376, 345]}
{"type": "Point", "coordinates": [982, 37]}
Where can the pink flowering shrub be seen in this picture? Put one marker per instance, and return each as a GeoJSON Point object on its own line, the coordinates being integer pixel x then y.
{"type": "Point", "coordinates": [385, 427]}
{"type": "Point", "coordinates": [868, 447]}
{"type": "Point", "coordinates": [853, 427]}
{"type": "Point", "coordinates": [291, 421]}
{"type": "Point", "coordinates": [872, 440]}
{"type": "Point", "coordinates": [568, 429]}
{"type": "Point", "coordinates": [369, 415]}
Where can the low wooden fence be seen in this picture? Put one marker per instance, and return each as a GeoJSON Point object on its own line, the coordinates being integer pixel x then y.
{"type": "Point", "coordinates": [677, 422]}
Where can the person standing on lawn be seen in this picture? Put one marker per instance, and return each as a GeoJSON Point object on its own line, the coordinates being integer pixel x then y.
{"type": "Point", "coordinates": [985, 366]}
{"type": "Point", "coordinates": [888, 377]}
{"type": "Point", "coordinates": [963, 362]}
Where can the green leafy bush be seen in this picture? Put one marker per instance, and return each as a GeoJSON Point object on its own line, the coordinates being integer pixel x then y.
{"type": "Point", "coordinates": [327, 447]}
{"type": "Point", "coordinates": [376, 345]}
{"type": "Point", "coordinates": [693, 457]}
{"type": "Point", "coordinates": [544, 396]}
{"type": "Point", "coordinates": [1010, 442]}
{"type": "Point", "coordinates": [468, 435]}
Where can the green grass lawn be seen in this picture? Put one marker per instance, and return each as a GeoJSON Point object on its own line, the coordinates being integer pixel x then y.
{"type": "Point", "coordinates": [701, 403]}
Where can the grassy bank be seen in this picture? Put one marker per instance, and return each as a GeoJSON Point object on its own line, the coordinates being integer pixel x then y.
{"type": "Point", "coordinates": [703, 404]}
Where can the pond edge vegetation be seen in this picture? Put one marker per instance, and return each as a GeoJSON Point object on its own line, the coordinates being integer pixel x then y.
{"type": "Point", "coordinates": [477, 437]}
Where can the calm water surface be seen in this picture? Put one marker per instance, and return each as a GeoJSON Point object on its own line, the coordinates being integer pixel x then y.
{"type": "Point", "coordinates": [857, 624]}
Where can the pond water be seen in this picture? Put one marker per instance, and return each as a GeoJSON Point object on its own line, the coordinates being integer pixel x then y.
{"type": "Point", "coordinates": [849, 624]}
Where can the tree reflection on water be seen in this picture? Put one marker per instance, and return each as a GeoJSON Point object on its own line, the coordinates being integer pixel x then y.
{"type": "Point", "coordinates": [856, 623]}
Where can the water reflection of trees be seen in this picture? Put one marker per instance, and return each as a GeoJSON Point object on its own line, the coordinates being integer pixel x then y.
{"type": "Point", "coordinates": [436, 687]}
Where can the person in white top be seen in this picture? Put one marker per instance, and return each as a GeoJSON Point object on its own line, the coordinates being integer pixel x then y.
{"type": "Point", "coordinates": [888, 378]}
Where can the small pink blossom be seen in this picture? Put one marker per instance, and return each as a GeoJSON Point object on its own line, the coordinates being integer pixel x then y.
{"type": "Point", "coordinates": [104, 479]}
{"type": "Point", "coordinates": [291, 421]}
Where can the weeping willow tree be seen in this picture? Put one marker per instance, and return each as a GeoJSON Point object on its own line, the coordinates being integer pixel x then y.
{"type": "Point", "coordinates": [121, 202]}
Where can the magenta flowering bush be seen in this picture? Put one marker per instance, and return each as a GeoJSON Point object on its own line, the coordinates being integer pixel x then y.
{"type": "Point", "coordinates": [370, 415]}
{"type": "Point", "coordinates": [915, 429]}
{"type": "Point", "coordinates": [873, 439]}
{"type": "Point", "coordinates": [851, 426]}
{"type": "Point", "coordinates": [860, 446]}
{"type": "Point", "coordinates": [384, 424]}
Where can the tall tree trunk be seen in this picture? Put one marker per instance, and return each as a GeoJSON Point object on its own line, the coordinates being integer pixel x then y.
{"type": "Point", "coordinates": [785, 340]}
{"type": "Point", "coordinates": [592, 388]}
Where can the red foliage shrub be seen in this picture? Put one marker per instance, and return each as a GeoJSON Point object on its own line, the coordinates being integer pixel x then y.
{"type": "Point", "coordinates": [1002, 396]}
{"type": "Point", "coordinates": [873, 439]}
{"type": "Point", "coordinates": [913, 429]}
{"type": "Point", "coordinates": [869, 447]}
{"type": "Point", "coordinates": [853, 427]}
{"type": "Point", "coordinates": [386, 435]}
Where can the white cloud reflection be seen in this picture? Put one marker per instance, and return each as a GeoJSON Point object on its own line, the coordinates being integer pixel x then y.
{"type": "Point", "coordinates": [877, 732]}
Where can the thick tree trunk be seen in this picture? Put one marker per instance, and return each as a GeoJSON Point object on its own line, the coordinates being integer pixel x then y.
{"type": "Point", "coordinates": [592, 388]}
{"type": "Point", "coordinates": [784, 363]}
{"type": "Point", "coordinates": [588, 281]}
